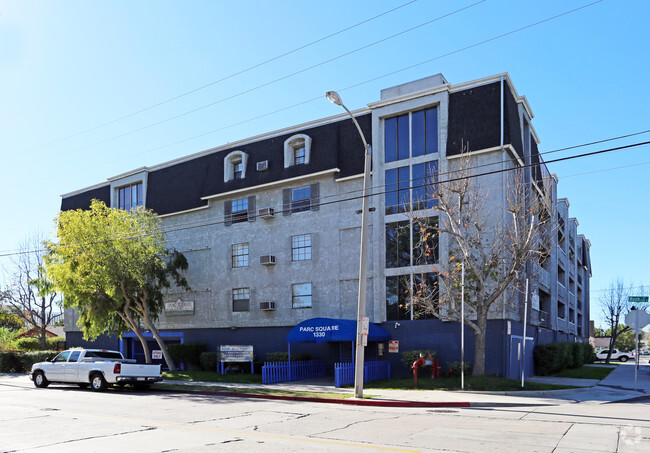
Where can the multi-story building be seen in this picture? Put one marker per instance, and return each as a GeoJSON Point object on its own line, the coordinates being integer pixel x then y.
{"type": "Point", "coordinates": [270, 226]}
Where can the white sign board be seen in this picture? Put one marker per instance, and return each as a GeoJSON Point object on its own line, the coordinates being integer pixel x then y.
{"type": "Point", "coordinates": [365, 325]}
{"type": "Point", "coordinates": [236, 353]}
{"type": "Point", "coordinates": [156, 354]}
{"type": "Point", "coordinates": [393, 346]}
{"type": "Point", "coordinates": [179, 307]}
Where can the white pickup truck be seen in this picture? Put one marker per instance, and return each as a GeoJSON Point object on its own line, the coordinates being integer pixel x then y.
{"type": "Point", "coordinates": [99, 368]}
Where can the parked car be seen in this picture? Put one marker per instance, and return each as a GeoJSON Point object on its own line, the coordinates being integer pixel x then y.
{"type": "Point", "coordinates": [99, 368]}
{"type": "Point", "coordinates": [623, 356]}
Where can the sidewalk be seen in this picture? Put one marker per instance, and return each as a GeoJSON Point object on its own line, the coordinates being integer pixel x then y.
{"type": "Point", "coordinates": [618, 386]}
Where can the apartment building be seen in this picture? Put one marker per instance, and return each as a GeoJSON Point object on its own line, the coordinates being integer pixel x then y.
{"type": "Point", "coordinates": [270, 226]}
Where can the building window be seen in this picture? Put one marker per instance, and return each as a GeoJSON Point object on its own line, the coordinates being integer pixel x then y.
{"type": "Point", "coordinates": [234, 166]}
{"type": "Point", "coordinates": [130, 197]}
{"type": "Point", "coordinates": [299, 154]}
{"type": "Point", "coordinates": [411, 296]}
{"type": "Point", "coordinates": [412, 243]}
{"type": "Point", "coordinates": [411, 187]}
{"type": "Point", "coordinates": [301, 295]}
{"type": "Point", "coordinates": [301, 247]}
{"type": "Point", "coordinates": [241, 210]}
{"type": "Point", "coordinates": [238, 168]}
{"type": "Point", "coordinates": [300, 199]}
{"type": "Point", "coordinates": [241, 299]}
{"type": "Point", "coordinates": [240, 255]}
{"type": "Point", "coordinates": [411, 135]}
{"type": "Point", "coordinates": [297, 150]}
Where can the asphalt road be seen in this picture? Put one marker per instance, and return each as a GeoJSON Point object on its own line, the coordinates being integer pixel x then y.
{"type": "Point", "coordinates": [68, 419]}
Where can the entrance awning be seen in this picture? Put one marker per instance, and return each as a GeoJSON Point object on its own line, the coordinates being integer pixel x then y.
{"type": "Point", "coordinates": [323, 330]}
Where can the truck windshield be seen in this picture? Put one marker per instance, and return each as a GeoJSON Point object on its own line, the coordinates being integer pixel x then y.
{"type": "Point", "coordinates": [104, 354]}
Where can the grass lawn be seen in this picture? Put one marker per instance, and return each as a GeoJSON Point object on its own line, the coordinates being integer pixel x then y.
{"type": "Point", "coordinates": [210, 376]}
{"type": "Point", "coordinates": [475, 383]}
{"type": "Point", "coordinates": [586, 372]}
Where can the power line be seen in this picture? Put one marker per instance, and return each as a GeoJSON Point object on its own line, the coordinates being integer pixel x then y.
{"type": "Point", "coordinates": [223, 79]}
{"type": "Point", "coordinates": [250, 90]}
{"type": "Point", "coordinates": [339, 90]}
{"type": "Point", "coordinates": [166, 231]}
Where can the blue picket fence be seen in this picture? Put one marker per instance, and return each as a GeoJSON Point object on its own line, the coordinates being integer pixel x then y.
{"type": "Point", "coordinates": [374, 370]}
{"type": "Point", "coordinates": [273, 372]}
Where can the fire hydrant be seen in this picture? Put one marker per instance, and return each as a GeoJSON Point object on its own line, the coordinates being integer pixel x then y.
{"type": "Point", "coordinates": [420, 362]}
{"type": "Point", "coordinates": [416, 365]}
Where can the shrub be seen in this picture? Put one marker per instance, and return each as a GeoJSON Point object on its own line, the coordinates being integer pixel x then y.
{"type": "Point", "coordinates": [187, 353]}
{"type": "Point", "coordinates": [34, 344]}
{"type": "Point", "coordinates": [453, 369]}
{"type": "Point", "coordinates": [21, 362]}
{"type": "Point", "coordinates": [553, 357]}
{"type": "Point", "coordinates": [408, 357]}
{"type": "Point", "coordinates": [209, 361]}
{"type": "Point", "coordinates": [7, 338]}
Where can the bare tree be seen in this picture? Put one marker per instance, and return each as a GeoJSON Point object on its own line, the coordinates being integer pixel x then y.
{"type": "Point", "coordinates": [614, 304]}
{"type": "Point", "coordinates": [495, 238]}
{"type": "Point", "coordinates": [30, 295]}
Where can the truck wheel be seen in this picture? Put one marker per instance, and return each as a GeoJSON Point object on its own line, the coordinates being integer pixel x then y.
{"type": "Point", "coordinates": [40, 380]}
{"type": "Point", "coordinates": [97, 382]}
{"type": "Point", "coordinates": [623, 358]}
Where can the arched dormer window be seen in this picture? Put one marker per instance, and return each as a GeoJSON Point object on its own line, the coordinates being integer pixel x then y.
{"type": "Point", "coordinates": [297, 150]}
{"type": "Point", "coordinates": [234, 166]}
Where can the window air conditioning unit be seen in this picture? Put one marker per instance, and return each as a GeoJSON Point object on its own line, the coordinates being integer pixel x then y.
{"type": "Point", "coordinates": [266, 212]}
{"type": "Point", "coordinates": [263, 165]}
{"type": "Point", "coordinates": [267, 306]}
{"type": "Point", "coordinates": [267, 259]}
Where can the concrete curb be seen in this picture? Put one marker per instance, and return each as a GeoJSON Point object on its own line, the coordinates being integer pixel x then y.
{"type": "Point", "coordinates": [313, 399]}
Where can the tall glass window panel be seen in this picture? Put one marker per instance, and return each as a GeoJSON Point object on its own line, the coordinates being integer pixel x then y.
{"type": "Point", "coordinates": [396, 138]}
{"type": "Point", "coordinates": [404, 184]}
{"type": "Point", "coordinates": [390, 140]}
{"type": "Point", "coordinates": [425, 290]}
{"type": "Point", "coordinates": [397, 298]}
{"type": "Point", "coordinates": [241, 299]}
{"type": "Point", "coordinates": [424, 132]}
{"type": "Point", "coordinates": [398, 244]}
{"type": "Point", "coordinates": [425, 241]}
{"type": "Point", "coordinates": [425, 178]}
{"type": "Point", "coordinates": [300, 199]}
{"type": "Point", "coordinates": [301, 295]}
{"type": "Point", "coordinates": [301, 247]}
{"type": "Point", "coordinates": [240, 255]}
{"type": "Point", "coordinates": [391, 191]}
{"type": "Point", "coordinates": [240, 210]}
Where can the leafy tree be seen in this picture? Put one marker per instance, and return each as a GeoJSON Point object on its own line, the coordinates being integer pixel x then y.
{"type": "Point", "coordinates": [112, 265]}
{"type": "Point", "coordinates": [28, 292]}
{"type": "Point", "coordinates": [496, 244]}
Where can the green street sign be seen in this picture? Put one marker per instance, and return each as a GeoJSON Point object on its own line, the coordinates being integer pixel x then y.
{"type": "Point", "coordinates": [638, 299]}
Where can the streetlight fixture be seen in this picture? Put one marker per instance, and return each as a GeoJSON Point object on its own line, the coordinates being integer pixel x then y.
{"type": "Point", "coordinates": [359, 355]}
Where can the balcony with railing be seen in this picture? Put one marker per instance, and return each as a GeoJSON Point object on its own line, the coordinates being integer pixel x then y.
{"type": "Point", "coordinates": [544, 278]}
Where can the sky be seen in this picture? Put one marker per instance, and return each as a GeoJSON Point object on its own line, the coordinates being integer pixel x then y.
{"type": "Point", "coordinates": [92, 89]}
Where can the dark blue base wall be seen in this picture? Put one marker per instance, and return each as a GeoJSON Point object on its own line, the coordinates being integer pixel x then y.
{"type": "Point", "coordinates": [443, 337]}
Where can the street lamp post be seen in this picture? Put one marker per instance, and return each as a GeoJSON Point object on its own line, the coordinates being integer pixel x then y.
{"type": "Point", "coordinates": [333, 97]}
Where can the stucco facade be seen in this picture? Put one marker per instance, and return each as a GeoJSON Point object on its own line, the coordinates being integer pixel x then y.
{"type": "Point", "coordinates": [254, 274]}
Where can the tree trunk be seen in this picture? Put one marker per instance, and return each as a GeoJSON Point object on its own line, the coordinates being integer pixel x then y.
{"type": "Point", "coordinates": [42, 333]}
{"type": "Point", "coordinates": [126, 316]}
{"type": "Point", "coordinates": [479, 344]}
{"type": "Point", "coordinates": [161, 343]}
